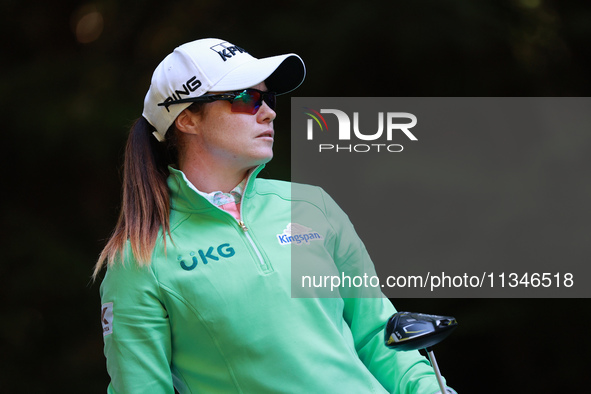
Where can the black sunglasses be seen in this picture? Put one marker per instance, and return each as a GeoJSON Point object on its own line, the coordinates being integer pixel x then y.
{"type": "Point", "coordinates": [247, 101]}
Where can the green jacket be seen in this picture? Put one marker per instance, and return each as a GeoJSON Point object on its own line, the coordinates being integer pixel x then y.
{"type": "Point", "coordinates": [214, 312]}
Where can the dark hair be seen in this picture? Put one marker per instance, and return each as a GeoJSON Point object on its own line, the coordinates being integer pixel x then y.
{"type": "Point", "coordinates": [145, 206]}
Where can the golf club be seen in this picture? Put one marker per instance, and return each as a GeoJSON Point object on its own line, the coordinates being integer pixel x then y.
{"type": "Point", "coordinates": [413, 331]}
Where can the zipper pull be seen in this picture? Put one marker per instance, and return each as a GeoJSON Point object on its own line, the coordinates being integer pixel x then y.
{"type": "Point", "coordinates": [242, 226]}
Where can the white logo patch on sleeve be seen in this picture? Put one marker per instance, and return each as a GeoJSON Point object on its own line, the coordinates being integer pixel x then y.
{"type": "Point", "coordinates": [107, 318]}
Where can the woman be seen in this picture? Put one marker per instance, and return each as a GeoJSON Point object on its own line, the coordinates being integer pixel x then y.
{"type": "Point", "coordinates": [197, 291]}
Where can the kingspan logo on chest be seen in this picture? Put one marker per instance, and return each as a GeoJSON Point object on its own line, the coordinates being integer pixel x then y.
{"type": "Point", "coordinates": [298, 234]}
{"type": "Point", "coordinates": [223, 251]}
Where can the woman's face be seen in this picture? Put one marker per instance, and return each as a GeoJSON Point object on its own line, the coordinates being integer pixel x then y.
{"type": "Point", "coordinates": [234, 140]}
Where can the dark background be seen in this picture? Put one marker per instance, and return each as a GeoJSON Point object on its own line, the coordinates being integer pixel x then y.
{"type": "Point", "coordinates": [73, 78]}
{"type": "Point", "coordinates": [492, 184]}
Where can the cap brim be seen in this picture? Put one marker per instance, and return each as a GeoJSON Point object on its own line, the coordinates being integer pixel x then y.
{"type": "Point", "coordinates": [282, 74]}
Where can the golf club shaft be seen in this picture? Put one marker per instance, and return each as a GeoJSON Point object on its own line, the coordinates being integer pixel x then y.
{"type": "Point", "coordinates": [437, 373]}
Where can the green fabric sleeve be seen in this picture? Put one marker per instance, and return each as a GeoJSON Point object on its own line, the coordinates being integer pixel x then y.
{"type": "Point", "coordinates": [138, 350]}
{"type": "Point", "coordinates": [366, 312]}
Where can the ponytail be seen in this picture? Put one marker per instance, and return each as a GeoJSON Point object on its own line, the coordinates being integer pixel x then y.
{"type": "Point", "coordinates": [145, 205]}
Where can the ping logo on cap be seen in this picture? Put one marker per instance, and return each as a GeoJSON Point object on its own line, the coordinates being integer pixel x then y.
{"type": "Point", "coordinates": [227, 50]}
{"type": "Point", "coordinates": [187, 88]}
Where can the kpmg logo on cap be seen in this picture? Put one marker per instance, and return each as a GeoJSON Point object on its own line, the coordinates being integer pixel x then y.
{"type": "Point", "coordinates": [396, 124]}
{"type": "Point", "coordinates": [227, 50]}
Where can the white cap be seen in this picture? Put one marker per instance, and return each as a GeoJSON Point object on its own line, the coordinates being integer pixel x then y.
{"type": "Point", "coordinates": [213, 65]}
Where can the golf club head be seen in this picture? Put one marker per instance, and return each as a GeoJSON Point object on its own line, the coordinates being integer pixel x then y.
{"type": "Point", "coordinates": [412, 331]}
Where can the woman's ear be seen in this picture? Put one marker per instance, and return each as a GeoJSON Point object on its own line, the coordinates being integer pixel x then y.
{"type": "Point", "coordinates": [187, 122]}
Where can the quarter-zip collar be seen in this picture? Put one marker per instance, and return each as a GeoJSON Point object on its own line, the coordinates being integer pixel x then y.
{"type": "Point", "coordinates": [185, 199]}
